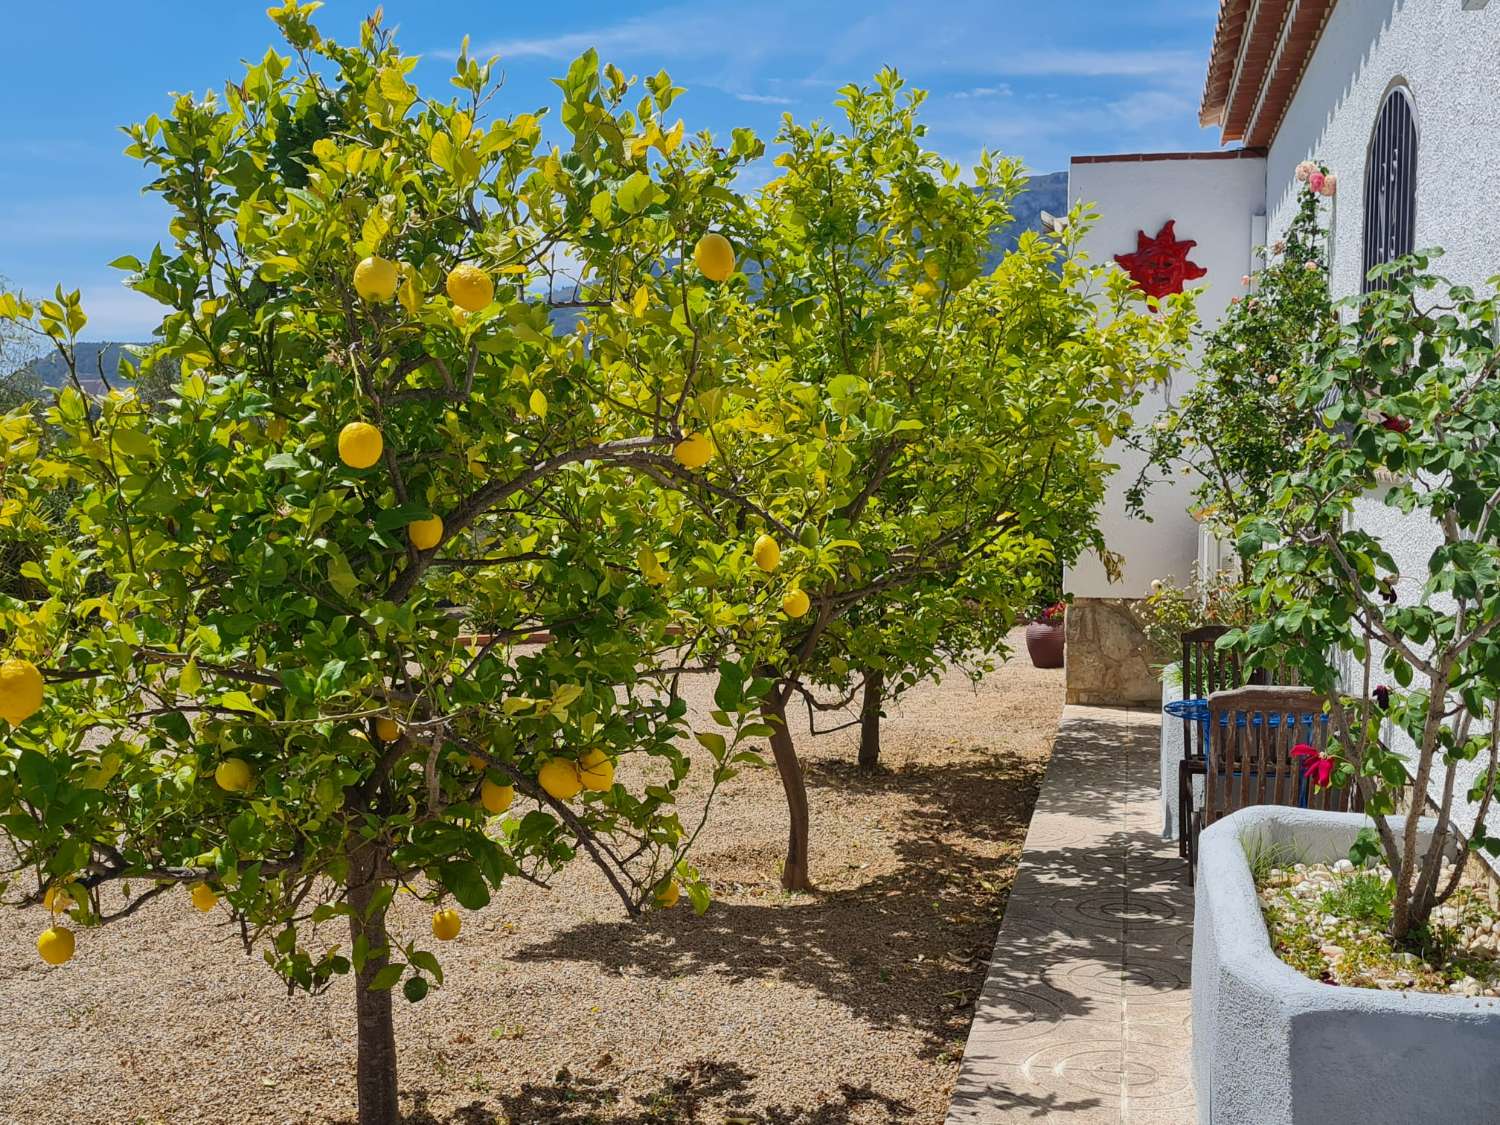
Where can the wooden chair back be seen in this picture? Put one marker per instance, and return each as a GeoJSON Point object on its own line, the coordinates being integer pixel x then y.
{"type": "Point", "coordinates": [1250, 760]}
{"type": "Point", "coordinates": [1205, 670]}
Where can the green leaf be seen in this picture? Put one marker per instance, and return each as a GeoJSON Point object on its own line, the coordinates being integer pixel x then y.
{"type": "Point", "coordinates": [387, 977]}
{"type": "Point", "coordinates": [464, 881]}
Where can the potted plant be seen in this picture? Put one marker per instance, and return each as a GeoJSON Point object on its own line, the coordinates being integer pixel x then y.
{"type": "Point", "coordinates": [1044, 637]}
{"type": "Point", "coordinates": [1374, 571]}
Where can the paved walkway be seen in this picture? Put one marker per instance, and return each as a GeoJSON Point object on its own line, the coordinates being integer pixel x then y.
{"type": "Point", "coordinates": [1084, 1015]}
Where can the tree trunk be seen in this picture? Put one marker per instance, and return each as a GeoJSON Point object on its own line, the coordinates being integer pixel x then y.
{"type": "Point", "coordinates": [794, 875]}
{"type": "Point", "coordinates": [376, 1069]}
{"type": "Point", "coordinates": [869, 721]}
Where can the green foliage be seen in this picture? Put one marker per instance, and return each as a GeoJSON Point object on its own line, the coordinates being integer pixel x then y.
{"type": "Point", "coordinates": [224, 587]}
{"type": "Point", "coordinates": [1170, 610]}
{"type": "Point", "coordinates": [924, 439]}
{"type": "Point", "coordinates": [1241, 420]}
{"type": "Point", "coordinates": [1410, 408]}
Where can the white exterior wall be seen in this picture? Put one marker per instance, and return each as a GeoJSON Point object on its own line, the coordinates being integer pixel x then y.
{"type": "Point", "coordinates": [1217, 203]}
{"type": "Point", "coordinates": [1449, 59]}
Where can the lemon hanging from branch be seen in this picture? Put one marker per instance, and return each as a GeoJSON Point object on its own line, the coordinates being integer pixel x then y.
{"type": "Point", "coordinates": [375, 279]}
{"type": "Point", "coordinates": [470, 287]}
{"type": "Point", "coordinates": [714, 257]}
{"type": "Point", "coordinates": [693, 451]}
{"type": "Point", "coordinates": [360, 445]}
{"type": "Point", "coordinates": [20, 691]}
{"type": "Point", "coordinates": [767, 554]}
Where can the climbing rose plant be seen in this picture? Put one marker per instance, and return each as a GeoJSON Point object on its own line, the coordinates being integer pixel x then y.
{"type": "Point", "coordinates": [1232, 430]}
{"type": "Point", "coordinates": [239, 673]}
{"type": "Point", "coordinates": [1403, 465]}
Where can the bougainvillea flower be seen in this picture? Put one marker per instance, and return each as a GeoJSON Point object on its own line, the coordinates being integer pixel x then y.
{"type": "Point", "coordinates": [1394, 424]}
{"type": "Point", "coordinates": [1317, 768]}
{"type": "Point", "coordinates": [1382, 696]}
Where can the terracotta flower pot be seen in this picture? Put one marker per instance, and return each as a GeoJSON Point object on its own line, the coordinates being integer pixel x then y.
{"type": "Point", "coordinates": [1044, 641]}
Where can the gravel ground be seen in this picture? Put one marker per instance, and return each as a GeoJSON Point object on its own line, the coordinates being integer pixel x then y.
{"type": "Point", "coordinates": [848, 1006]}
{"type": "Point", "coordinates": [1329, 922]}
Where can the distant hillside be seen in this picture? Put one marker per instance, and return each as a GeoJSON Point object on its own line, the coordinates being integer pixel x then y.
{"type": "Point", "coordinates": [1044, 193]}
{"type": "Point", "coordinates": [53, 372]}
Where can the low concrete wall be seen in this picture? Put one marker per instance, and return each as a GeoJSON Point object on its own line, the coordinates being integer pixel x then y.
{"type": "Point", "coordinates": [1107, 659]}
{"type": "Point", "coordinates": [1271, 1047]}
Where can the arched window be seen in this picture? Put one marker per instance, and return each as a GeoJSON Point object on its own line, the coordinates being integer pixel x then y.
{"type": "Point", "coordinates": [1391, 184]}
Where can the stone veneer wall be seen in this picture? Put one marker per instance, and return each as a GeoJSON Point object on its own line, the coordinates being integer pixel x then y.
{"type": "Point", "coordinates": [1107, 658]}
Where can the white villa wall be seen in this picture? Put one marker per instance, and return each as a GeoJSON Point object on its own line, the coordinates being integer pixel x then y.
{"type": "Point", "coordinates": [1215, 201]}
{"type": "Point", "coordinates": [1449, 59]}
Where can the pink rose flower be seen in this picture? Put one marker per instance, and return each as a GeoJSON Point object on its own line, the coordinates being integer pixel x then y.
{"type": "Point", "coordinates": [1245, 280]}
{"type": "Point", "coordinates": [1316, 767]}
{"type": "Point", "coordinates": [1330, 185]}
{"type": "Point", "coordinates": [1273, 378]}
{"type": "Point", "coordinates": [1315, 181]}
{"type": "Point", "coordinates": [1304, 170]}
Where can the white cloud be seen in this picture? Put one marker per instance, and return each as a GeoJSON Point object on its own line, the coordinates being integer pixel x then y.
{"type": "Point", "coordinates": [765, 99]}
{"type": "Point", "coordinates": [1001, 91]}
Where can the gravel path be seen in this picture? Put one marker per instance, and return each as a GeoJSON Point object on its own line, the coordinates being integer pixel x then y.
{"type": "Point", "coordinates": [850, 1006]}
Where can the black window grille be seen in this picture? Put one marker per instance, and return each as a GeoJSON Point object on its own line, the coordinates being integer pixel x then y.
{"type": "Point", "coordinates": [1390, 185]}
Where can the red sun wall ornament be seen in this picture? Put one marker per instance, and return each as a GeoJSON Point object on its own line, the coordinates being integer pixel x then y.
{"type": "Point", "coordinates": [1160, 265]}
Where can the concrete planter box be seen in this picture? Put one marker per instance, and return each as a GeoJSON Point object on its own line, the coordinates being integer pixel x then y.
{"type": "Point", "coordinates": [1271, 1047]}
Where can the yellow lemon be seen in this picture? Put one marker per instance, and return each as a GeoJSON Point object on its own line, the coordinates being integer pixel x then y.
{"type": "Point", "coordinates": [714, 256]}
{"type": "Point", "coordinates": [596, 770]}
{"type": "Point", "coordinates": [446, 924]}
{"type": "Point", "coordinates": [425, 534]}
{"type": "Point", "coordinates": [375, 279]}
{"type": "Point", "coordinates": [693, 452]}
{"type": "Point", "coordinates": [56, 945]}
{"type": "Point", "coordinates": [470, 287]}
{"type": "Point", "coordinates": [495, 798]}
{"type": "Point", "coordinates": [478, 762]}
{"type": "Point", "coordinates": [360, 445]}
{"type": "Point", "coordinates": [58, 899]}
{"type": "Point", "coordinates": [203, 897]}
{"type": "Point", "coordinates": [667, 896]}
{"type": "Point", "coordinates": [387, 729]}
{"type": "Point", "coordinates": [233, 774]}
{"type": "Point", "coordinates": [767, 553]}
{"type": "Point", "coordinates": [20, 691]}
{"type": "Point", "coordinates": [796, 603]}
{"type": "Point", "coordinates": [560, 778]}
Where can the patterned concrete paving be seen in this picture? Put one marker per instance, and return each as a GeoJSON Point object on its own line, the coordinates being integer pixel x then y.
{"type": "Point", "coordinates": [1084, 1015]}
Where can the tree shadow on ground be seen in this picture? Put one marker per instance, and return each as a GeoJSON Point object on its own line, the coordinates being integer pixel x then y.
{"type": "Point", "coordinates": [910, 948]}
{"type": "Point", "coordinates": [705, 1092]}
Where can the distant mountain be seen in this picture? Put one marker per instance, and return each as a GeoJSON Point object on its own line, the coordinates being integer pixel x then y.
{"type": "Point", "coordinates": [53, 372]}
{"type": "Point", "coordinates": [1048, 193]}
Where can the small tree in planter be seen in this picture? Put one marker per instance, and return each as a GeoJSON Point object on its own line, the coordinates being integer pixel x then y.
{"type": "Point", "coordinates": [1229, 433]}
{"type": "Point", "coordinates": [1410, 660]}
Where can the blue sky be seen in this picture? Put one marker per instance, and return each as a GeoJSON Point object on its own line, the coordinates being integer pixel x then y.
{"type": "Point", "coordinates": [1041, 79]}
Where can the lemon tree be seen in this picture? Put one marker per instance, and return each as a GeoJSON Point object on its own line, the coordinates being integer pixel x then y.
{"type": "Point", "coordinates": [360, 605]}
{"type": "Point", "coordinates": [923, 433]}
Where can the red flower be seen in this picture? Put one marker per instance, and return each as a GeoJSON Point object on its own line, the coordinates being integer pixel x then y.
{"type": "Point", "coordinates": [1394, 424]}
{"type": "Point", "coordinates": [1318, 768]}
